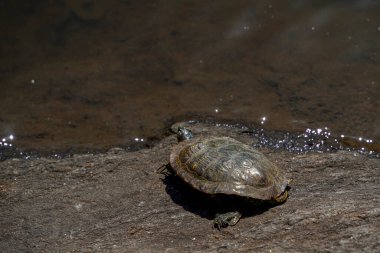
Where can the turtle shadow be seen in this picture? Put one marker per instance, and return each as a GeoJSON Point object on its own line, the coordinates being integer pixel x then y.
{"type": "Point", "coordinates": [206, 205]}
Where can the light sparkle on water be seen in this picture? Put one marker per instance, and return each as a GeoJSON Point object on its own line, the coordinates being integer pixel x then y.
{"type": "Point", "coordinates": [263, 119]}
{"type": "Point", "coordinates": [315, 140]}
{"type": "Point", "coordinates": [6, 141]}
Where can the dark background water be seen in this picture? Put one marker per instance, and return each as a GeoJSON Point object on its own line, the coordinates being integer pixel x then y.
{"type": "Point", "coordinates": [82, 75]}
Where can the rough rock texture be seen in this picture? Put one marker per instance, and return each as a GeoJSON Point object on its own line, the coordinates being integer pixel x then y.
{"type": "Point", "coordinates": [117, 202]}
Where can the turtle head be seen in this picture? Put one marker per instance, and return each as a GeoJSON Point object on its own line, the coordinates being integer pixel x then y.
{"type": "Point", "coordinates": [284, 195]}
{"type": "Point", "coordinates": [281, 198]}
{"type": "Point", "coordinates": [184, 134]}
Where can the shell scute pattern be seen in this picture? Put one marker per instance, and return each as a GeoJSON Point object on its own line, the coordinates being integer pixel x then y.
{"type": "Point", "coordinates": [225, 165]}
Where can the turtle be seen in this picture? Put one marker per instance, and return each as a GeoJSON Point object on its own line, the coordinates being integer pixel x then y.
{"type": "Point", "coordinates": [222, 165]}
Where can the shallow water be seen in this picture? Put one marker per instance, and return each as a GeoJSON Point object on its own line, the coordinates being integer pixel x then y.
{"type": "Point", "coordinates": [89, 75]}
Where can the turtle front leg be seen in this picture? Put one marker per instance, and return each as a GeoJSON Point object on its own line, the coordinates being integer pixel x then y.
{"type": "Point", "coordinates": [223, 220]}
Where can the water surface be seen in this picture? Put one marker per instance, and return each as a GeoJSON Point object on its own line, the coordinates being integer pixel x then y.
{"type": "Point", "coordinates": [89, 75]}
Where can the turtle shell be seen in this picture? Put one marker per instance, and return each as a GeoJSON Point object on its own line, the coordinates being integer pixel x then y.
{"type": "Point", "coordinates": [224, 165]}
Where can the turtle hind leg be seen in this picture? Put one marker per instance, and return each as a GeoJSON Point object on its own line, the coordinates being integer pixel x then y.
{"type": "Point", "coordinates": [165, 169]}
{"type": "Point", "coordinates": [223, 220]}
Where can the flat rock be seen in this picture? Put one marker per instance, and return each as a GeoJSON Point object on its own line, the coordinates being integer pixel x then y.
{"type": "Point", "coordinates": [116, 201]}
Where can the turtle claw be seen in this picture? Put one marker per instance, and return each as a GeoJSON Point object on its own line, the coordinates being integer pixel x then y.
{"type": "Point", "coordinates": [223, 220]}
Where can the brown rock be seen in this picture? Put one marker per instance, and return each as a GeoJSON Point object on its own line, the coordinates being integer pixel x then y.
{"type": "Point", "coordinates": [116, 201]}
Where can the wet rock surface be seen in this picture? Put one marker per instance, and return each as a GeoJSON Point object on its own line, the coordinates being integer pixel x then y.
{"type": "Point", "coordinates": [116, 201]}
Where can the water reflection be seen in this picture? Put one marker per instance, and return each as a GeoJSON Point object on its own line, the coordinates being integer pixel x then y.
{"type": "Point", "coordinates": [315, 140]}
{"type": "Point", "coordinates": [311, 140]}
{"type": "Point", "coordinates": [83, 75]}
{"type": "Point", "coordinates": [6, 141]}
{"type": "Point", "coordinates": [7, 150]}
